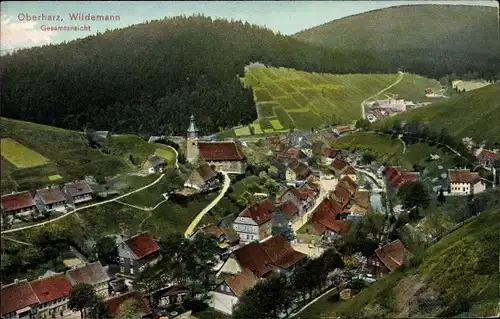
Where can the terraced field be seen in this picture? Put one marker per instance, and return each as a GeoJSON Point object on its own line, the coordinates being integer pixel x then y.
{"type": "Point", "coordinates": [288, 98]}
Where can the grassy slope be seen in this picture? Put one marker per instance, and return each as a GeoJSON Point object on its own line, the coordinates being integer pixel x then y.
{"type": "Point", "coordinates": [462, 266]}
{"type": "Point", "coordinates": [423, 27]}
{"type": "Point", "coordinates": [67, 151]}
{"type": "Point", "coordinates": [475, 114]}
{"type": "Point", "coordinates": [69, 155]}
{"type": "Point", "coordinates": [387, 150]}
{"type": "Point", "coordinates": [290, 98]}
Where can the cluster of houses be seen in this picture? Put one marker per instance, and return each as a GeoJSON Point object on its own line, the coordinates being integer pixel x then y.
{"type": "Point", "coordinates": [23, 206]}
{"type": "Point", "coordinates": [48, 296]}
{"type": "Point", "coordinates": [380, 109]}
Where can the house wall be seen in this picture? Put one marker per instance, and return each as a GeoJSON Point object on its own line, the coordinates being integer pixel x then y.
{"type": "Point", "coordinates": [231, 266]}
{"type": "Point", "coordinates": [247, 229]}
{"type": "Point", "coordinates": [479, 187]}
{"type": "Point", "coordinates": [82, 198]}
{"type": "Point", "coordinates": [237, 167]}
{"type": "Point", "coordinates": [56, 307]}
{"type": "Point", "coordinates": [222, 302]}
{"type": "Point", "coordinates": [265, 230]}
{"type": "Point", "coordinates": [27, 212]}
{"type": "Point", "coordinates": [460, 188]}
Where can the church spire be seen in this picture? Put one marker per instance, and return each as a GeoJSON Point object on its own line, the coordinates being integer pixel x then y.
{"type": "Point", "coordinates": [192, 127]}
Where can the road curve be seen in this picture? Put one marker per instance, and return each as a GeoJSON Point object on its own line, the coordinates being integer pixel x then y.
{"type": "Point", "coordinates": [83, 207]}
{"type": "Point", "coordinates": [176, 157]}
{"type": "Point", "coordinates": [363, 113]}
{"type": "Point", "coordinates": [197, 219]}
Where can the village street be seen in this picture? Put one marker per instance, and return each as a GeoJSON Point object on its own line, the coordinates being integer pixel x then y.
{"type": "Point", "coordinates": [326, 185]}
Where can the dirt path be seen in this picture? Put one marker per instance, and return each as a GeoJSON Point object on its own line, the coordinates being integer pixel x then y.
{"type": "Point", "coordinates": [363, 112]}
{"type": "Point", "coordinates": [84, 207]}
{"type": "Point", "coordinates": [197, 219]}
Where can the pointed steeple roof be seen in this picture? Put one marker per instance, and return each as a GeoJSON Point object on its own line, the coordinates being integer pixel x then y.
{"type": "Point", "coordinates": [192, 126]}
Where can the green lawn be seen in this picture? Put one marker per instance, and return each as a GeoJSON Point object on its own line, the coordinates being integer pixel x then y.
{"type": "Point", "coordinates": [67, 152]}
{"type": "Point", "coordinates": [412, 87]}
{"type": "Point", "coordinates": [125, 145]}
{"type": "Point", "coordinates": [388, 150]}
{"type": "Point", "coordinates": [19, 155]}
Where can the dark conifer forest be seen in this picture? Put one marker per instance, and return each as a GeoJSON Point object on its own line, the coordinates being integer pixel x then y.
{"type": "Point", "coordinates": [148, 78]}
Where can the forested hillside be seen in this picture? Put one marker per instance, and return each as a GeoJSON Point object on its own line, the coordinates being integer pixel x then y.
{"type": "Point", "coordinates": [430, 40]}
{"type": "Point", "coordinates": [148, 78]}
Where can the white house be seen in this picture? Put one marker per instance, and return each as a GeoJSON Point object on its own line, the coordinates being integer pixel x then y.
{"type": "Point", "coordinates": [227, 294]}
{"type": "Point", "coordinates": [464, 182]}
{"type": "Point", "coordinates": [254, 223]}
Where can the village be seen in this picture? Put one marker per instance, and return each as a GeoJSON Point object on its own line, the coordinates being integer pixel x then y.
{"type": "Point", "coordinates": [321, 194]}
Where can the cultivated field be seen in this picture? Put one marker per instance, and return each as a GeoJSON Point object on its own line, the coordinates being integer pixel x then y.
{"type": "Point", "coordinates": [288, 98]}
{"type": "Point", "coordinates": [19, 155]}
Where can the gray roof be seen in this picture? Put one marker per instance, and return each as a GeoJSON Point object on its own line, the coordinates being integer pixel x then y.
{"type": "Point", "coordinates": [156, 160]}
{"type": "Point", "coordinates": [91, 274]}
{"type": "Point", "coordinates": [77, 189]}
{"type": "Point", "coordinates": [192, 126]}
{"type": "Point", "coordinates": [51, 195]}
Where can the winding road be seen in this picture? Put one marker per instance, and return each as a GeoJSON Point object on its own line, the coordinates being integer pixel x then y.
{"type": "Point", "coordinates": [363, 112]}
{"type": "Point", "coordinates": [83, 207]}
{"type": "Point", "coordinates": [197, 219]}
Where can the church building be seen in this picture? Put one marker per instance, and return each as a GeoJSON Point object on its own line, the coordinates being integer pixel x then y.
{"type": "Point", "coordinates": [225, 156]}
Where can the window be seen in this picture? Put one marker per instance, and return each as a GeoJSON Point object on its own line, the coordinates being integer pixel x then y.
{"type": "Point", "coordinates": [122, 269]}
{"type": "Point", "coordinates": [131, 270]}
{"type": "Point", "coordinates": [122, 260]}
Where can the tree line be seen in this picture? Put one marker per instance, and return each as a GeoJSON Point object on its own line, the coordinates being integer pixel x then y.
{"type": "Point", "coordinates": [149, 78]}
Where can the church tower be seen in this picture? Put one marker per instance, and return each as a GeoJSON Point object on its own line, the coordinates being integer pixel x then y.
{"type": "Point", "coordinates": [192, 151]}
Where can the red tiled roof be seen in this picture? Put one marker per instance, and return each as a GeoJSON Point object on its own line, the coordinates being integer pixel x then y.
{"type": "Point", "coordinates": [220, 151]}
{"type": "Point", "coordinates": [253, 257]}
{"type": "Point", "coordinates": [51, 195]}
{"type": "Point", "coordinates": [142, 245]}
{"type": "Point", "coordinates": [338, 165]}
{"type": "Point", "coordinates": [330, 152]}
{"type": "Point", "coordinates": [300, 169]}
{"type": "Point", "coordinates": [17, 296]}
{"type": "Point", "coordinates": [292, 152]}
{"type": "Point", "coordinates": [326, 210]}
{"type": "Point", "coordinates": [261, 212]}
{"type": "Point", "coordinates": [349, 171]}
{"type": "Point", "coordinates": [392, 255]}
{"type": "Point", "coordinates": [302, 194]}
{"type": "Point", "coordinates": [17, 201]}
{"type": "Point", "coordinates": [463, 176]}
{"type": "Point", "coordinates": [114, 303]}
{"type": "Point", "coordinates": [342, 195]}
{"type": "Point", "coordinates": [399, 177]}
{"type": "Point", "coordinates": [349, 184]}
{"type": "Point", "coordinates": [281, 252]}
{"type": "Point", "coordinates": [488, 155]}
{"type": "Point", "coordinates": [338, 226]}
{"type": "Point", "coordinates": [241, 282]}
{"type": "Point", "coordinates": [51, 288]}
{"type": "Point", "coordinates": [289, 209]}
{"type": "Point", "coordinates": [346, 128]}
